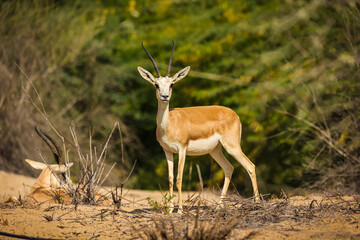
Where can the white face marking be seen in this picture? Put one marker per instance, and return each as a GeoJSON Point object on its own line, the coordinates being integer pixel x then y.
{"type": "Point", "coordinates": [163, 88]}
{"type": "Point", "coordinates": [163, 84]}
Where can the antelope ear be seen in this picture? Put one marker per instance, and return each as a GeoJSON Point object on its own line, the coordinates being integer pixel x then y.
{"type": "Point", "coordinates": [35, 164]}
{"type": "Point", "coordinates": [181, 74]}
{"type": "Point", "coordinates": [146, 75]}
{"type": "Point", "coordinates": [60, 168]}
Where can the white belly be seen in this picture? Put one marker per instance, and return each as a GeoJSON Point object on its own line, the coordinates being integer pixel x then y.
{"type": "Point", "coordinates": [203, 146]}
{"type": "Point", "coordinates": [196, 147]}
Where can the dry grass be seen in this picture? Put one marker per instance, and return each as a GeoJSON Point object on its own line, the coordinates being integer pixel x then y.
{"type": "Point", "coordinates": [240, 219]}
{"type": "Point", "coordinates": [208, 223]}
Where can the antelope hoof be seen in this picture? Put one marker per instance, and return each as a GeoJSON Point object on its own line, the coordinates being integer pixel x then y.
{"type": "Point", "coordinates": [180, 210]}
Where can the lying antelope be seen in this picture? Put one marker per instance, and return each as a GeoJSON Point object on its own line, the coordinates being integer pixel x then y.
{"type": "Point", "coordinates": [195, 131]}
{"type": "Point", "coordinates": [51, 181]}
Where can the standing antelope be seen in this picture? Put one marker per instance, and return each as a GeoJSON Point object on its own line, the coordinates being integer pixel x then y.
{"type": "Point", "coordinates": [195, 131]}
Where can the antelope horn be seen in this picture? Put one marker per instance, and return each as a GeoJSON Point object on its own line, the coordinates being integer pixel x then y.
{"type": "Point", "coordinates": [152, 60]}
{"type": "Point", "coordinates": [55, 149]}
{"type": "Point", "coordinates": [170, 61]}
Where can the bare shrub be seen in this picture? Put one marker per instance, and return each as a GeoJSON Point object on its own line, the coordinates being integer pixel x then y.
{"type": "Point", "coordinates": [92, 175]}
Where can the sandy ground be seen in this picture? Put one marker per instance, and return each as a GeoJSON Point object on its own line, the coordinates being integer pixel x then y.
{"type": "Point", "coordinates": [338, 218]}
{"type": "Point", "coordinates": [12, 184]}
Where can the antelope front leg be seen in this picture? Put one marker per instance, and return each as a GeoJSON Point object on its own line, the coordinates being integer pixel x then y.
{"type": "Point", "coordinates": [170, 162]}
{"type": "Point", "coordinates": [182, 156]}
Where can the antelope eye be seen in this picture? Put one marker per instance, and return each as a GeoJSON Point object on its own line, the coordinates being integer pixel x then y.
{"type": "Point", "coordinates": [156, 85]}
{"type": "Point", "coordinates": [171, 85]}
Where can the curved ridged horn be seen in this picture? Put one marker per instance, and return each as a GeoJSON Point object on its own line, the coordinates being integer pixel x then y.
{"type": "Point", "coordinates": [55, 149]}
{"type": "Point", "coordinates": [152, 60]}
{"type": "Point", "coordinates": [170, 61]}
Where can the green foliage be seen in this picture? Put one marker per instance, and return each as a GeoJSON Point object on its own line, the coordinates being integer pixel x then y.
{"type": "Point", "coordinates": [163, 206]}
{"type": "Point", "coordinates": [290, 69]}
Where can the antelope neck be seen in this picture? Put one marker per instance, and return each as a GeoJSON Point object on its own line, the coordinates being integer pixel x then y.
{"type": "Point", "coordinates": [162, 117]}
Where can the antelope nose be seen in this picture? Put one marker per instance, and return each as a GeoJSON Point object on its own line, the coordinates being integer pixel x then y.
{"type": "Point", "coordinates": [164, 98]}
